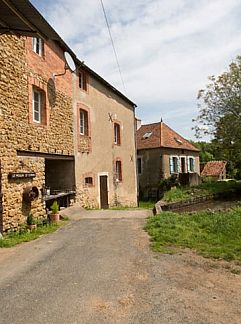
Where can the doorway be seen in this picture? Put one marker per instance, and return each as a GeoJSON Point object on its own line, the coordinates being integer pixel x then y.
{"type": "Point", "coordinates": [183, 165]}
{"type": "Point", "coordinates": [104, 192]}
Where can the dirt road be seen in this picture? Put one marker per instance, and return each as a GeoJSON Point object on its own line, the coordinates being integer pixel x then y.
{"type": "Point", "coordinates": [99, 269]}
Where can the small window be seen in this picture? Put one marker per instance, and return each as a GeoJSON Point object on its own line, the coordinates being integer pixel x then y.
{"type": "Point", "coordinates": [174, 164]}
{"type": "Point", "coordinates": [191, 164]}
{"type": "Point", "coordinates": [89, 181]}
{"type": "Point", "coordinates": [37, 106]}
{"type": "Point", "coordinates": [118, 169]}
{"type": "Point", "coordinates": [38, 46]}
{"type": "Point", "coordinates": [83, 122]}
{"type": "Point", "coordinates": [117, 133]}
{"type": "Point", "coordinates": [147, 135]}
{"type": "Point", "coordinates": [139, 165]}
{"type": "Point", "coordinates": [83, 80]}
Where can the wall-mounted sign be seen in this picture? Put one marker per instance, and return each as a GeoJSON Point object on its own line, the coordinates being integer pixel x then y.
{"type": "Point", "coordinates": [21, 175]}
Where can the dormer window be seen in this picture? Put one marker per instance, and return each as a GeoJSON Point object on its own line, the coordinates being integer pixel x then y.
{"type": "Point", "coordinates": [147, 135]}
{"type": "Point", "coordinates": [178, 141]}
{"type": "Point", "coordinates": [38, 46]}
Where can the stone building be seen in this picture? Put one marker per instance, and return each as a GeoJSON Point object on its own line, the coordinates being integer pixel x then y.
{"type": "Point", "coordinates": [162, 152]}
{"type": "Point", "coordinates": [215, 170]}
{"type": "Point", "coordinates": [64, 135]}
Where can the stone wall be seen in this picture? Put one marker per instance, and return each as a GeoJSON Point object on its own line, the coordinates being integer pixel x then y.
{"type": "Point", "coordinates": [18, 133]}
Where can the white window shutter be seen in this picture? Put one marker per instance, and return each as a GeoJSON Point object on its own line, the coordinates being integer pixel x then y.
{"type": "Point", "coordinates": [188, 165]}
{"type": "Point", "coordinates": [171, 165]}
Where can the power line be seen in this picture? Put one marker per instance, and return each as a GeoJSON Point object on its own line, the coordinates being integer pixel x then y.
{"type": "Point", "coordinates": [113, 46]}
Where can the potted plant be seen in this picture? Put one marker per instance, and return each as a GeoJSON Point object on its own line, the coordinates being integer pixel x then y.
{"type": "Point", "coordinates": [31, 222]}
{"type": "Point", "coordinates": [54, 216]}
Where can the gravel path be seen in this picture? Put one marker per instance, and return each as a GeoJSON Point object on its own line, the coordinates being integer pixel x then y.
{"type": "Point", "coordinates": [99, 269]}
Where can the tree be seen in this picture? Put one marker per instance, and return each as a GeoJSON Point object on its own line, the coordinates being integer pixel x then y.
{"type": "Point", "coordinates": [220, 115]}
{"type": "Point", "coordinates": [220, 105]}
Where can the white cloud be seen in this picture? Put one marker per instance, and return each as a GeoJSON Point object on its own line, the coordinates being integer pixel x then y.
{"type": "Point", "coordinates": [166, 48]}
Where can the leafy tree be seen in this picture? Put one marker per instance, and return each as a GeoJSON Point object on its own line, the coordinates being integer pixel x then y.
{"type": "Point", "coordinates": [206, 151]}
{"type": "Point", "coordinates": [220, 115]}
{"type": "Point", "coordinates": [220, 103]}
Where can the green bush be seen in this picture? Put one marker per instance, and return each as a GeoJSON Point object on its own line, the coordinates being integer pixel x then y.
{"type": "Point", "coordinates": [55, 207]}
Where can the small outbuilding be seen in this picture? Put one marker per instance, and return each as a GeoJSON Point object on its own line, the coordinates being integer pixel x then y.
{"type": "Point", "coordinates": [215, 170]}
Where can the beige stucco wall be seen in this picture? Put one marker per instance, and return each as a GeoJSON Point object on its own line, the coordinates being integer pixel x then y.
{"type": "Point", "coordinates": [17, 132]}
{"type": "Point", "coordinates": [99, 155]}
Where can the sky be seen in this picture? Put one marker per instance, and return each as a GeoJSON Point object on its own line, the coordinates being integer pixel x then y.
{"type": "Point", "coordinates": [166, 48]}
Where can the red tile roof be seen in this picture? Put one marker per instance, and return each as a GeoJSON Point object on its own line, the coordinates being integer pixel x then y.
{"type": "Point", "coordinates": [161, 136]}
{"type": "Point", "coordinates": [214, 168]}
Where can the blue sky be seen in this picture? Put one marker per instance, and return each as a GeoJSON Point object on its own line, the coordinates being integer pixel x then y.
{"type": "Point", "coordinates": [166, 48]}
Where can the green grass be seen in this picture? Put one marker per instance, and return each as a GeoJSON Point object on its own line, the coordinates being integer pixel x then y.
{"type": "Point", "coordinates": [15, 238]}
{"type": "Point", "coordinates": [147, 204]}
{"type": "Point", "coordinates": [184, 193]}
{"type": "Point", "coordinates": [216, 235]}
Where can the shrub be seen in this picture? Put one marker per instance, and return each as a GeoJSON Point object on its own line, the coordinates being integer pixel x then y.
{"type": "Point", "coordinates": [55, 207]}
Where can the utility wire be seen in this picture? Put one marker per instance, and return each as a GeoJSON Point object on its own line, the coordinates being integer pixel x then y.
{"type": "Point", "coordinates": [113, 46]}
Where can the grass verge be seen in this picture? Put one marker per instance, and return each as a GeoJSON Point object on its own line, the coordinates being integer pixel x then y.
{"type": "Point", "coordinates": [216, 235]}
{"type": "Point", "coordinates": [15, 238]}
{"type": "Point", "coordinates": [184, 193]}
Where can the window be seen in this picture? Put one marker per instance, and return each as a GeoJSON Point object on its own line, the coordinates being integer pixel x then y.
{"type": "Point", "coordinates": [83, 115]}
{"type": "Point", "coordinates": [139, 165]}
{"type": "Point", "coordinates": [117, 133]}
{"type": "Point", "coordinates": [83, 80]}
{"type": "Point", "coordinates": [147, 135]}
{"type": "Point", "coordinates": [118, 170]}
{"type": "Point", "coordinates": [89, 181]}
{"type": "Point", "coordinates": [191, 164]}
{"type": "Point", "coordinates": [37, 106]}
{"type": "Point", "coordinates": [174, 164]}
{"type": "Point", "coordinates": [38, 46]}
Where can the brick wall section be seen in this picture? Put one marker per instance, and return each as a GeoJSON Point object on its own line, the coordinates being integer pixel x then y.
{"type": "Point", "coordinates": [16, 130]}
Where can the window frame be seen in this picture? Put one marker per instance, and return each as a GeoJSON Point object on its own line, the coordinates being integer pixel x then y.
{"type": "Point", "coordinates": [172, 165]}
{"type": "Point", "coordinates": [39, 108]}
{"type": "Point", "coordinates": [118, 171]}
{"type": "Point", "coordinates": [83, 122]}
{"type": "Point", "coordinates": [117, 133]}
{"type": "Point", "coordinates": [37, 45]}
{"type": "Point", "coordinates": [83, 80]}
{"type": "Point", "coordinates": [89, 184]}
{"type": "Point", "coordinates": [191, 158]}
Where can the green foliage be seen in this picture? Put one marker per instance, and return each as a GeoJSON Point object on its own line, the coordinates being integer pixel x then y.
{"type": "Point", "coordinates": [220, 115]}
{"type": "Point", "coordinates": [206, 151]}
{"type": "Point", "coordinates": [167, 184]}
{"type": "Point", "coordinates": [205, 188]}
{"type": "Point", "coordinates": [216, 235]}
{"type": "Point", "coordinates": [23, 235]}
{"type": "Point", "coordinates": [149, 204]}
{"type": "Point", "coordinates": [31, 220]}
{"type": "Point", "coordinates": [176, 194]}
{"type": "Point", "coordinates": [55, 207]}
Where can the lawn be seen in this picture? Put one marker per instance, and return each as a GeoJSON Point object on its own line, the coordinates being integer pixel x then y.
{"type": "Point", "coordinates": [24, 235]}
{"type": "Point", "coordinates": [216, 235]}
{"type": "Point", "coordinates": [184, 193]}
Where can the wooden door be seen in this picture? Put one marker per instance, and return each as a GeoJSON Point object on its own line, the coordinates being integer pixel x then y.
{"type": "Point", "coordinates": [104, 192]}
{"type": "Point", "coordinates": [183, 164]}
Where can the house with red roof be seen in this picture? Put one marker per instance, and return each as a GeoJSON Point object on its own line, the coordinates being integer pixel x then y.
{"type": "Point", "coordinates": [162, 152]}
{"type": "Point", "coordinates": [215, 170]}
